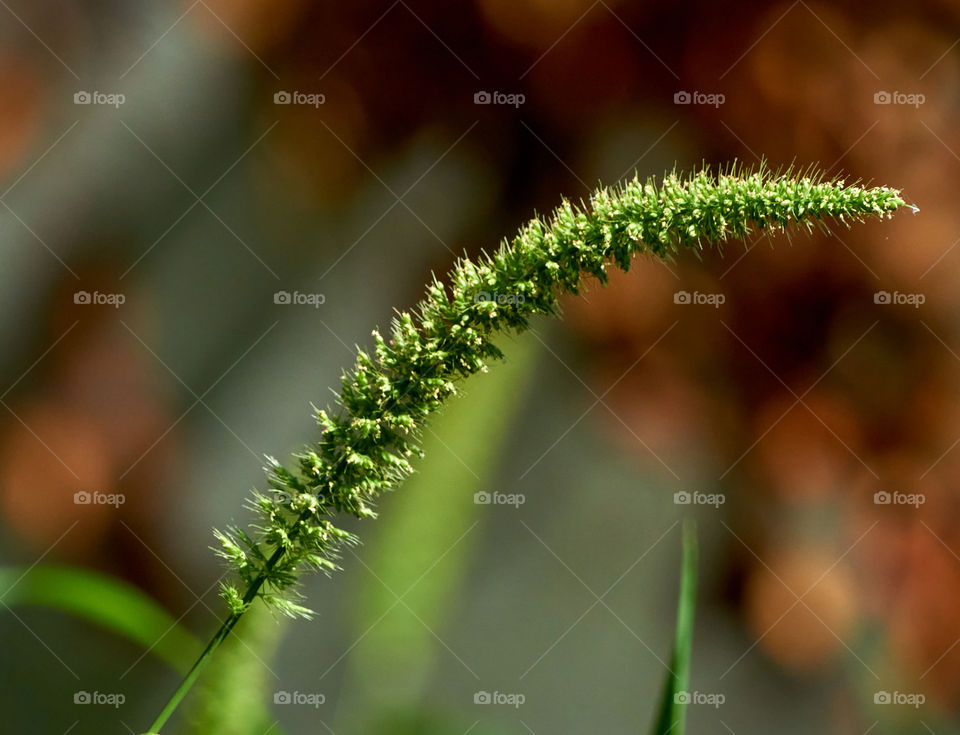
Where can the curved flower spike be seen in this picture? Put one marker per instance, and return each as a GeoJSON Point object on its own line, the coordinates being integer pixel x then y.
{"type": "Point", "coordinates": [366, 444]}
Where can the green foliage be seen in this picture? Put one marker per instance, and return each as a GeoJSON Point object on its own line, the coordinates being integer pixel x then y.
{"type": "Point", "coordinates": [368, 441]}
{"type": "Point", "coordinates": [673, 708]}
{"type": "Point", "coordinates": [105, 601]}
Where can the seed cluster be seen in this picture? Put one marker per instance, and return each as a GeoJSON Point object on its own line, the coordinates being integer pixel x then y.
{"type": "Point", "coordinates": [368, 440]}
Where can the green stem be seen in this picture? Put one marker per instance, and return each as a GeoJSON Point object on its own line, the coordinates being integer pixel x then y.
{"type": "Point", "coordinates": [219, 637]}
{"type": "Point", "coordinates": [191, 677]}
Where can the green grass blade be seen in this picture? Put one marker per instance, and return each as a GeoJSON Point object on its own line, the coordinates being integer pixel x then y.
{"type": "Point", "coordinates": [110, 603]}
{"type": "Point", "coordinates": [673, 708]}
{"type": "Point", "coordinates": [397, 652]}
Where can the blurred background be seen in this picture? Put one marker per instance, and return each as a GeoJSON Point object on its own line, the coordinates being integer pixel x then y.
{"type": "Point", "coordinates": [205, 207]}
